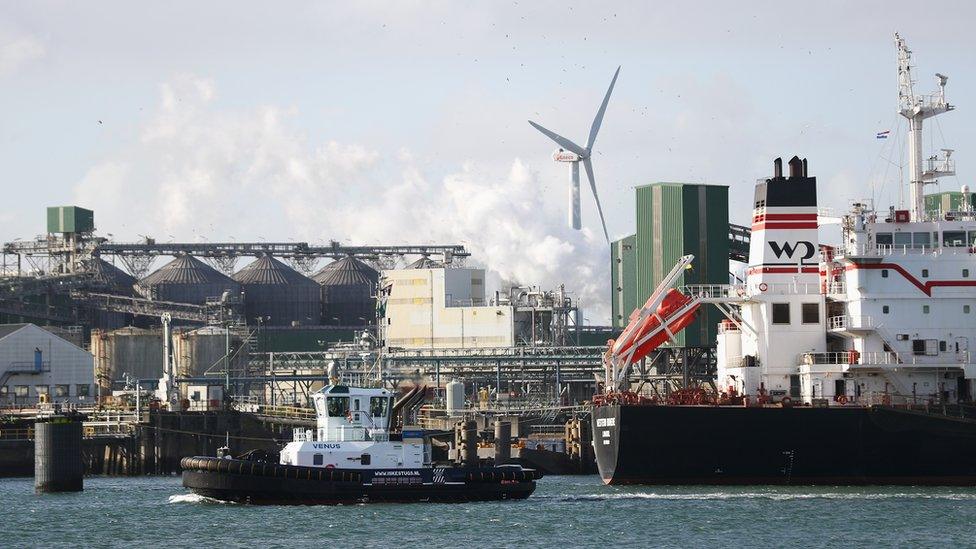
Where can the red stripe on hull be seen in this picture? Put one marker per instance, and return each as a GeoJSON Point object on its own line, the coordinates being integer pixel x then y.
{"type": "Point", "coordinates": [925, 287]}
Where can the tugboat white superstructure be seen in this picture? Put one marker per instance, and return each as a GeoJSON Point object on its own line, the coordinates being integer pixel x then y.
{"type": "Point", "coordinates": [352, 456]}
{"type": "Point", "coordinates": [836, 364]}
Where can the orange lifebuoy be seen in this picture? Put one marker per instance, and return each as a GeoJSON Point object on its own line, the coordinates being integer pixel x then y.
{"type": "Point", "coordinates": [841, 399]}
{"type": "Point", "coordinates": [786, 401]}
{"type": "Point", "coordinates": [763, 286]}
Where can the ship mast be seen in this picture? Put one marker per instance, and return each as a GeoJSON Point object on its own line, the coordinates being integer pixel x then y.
{"type": "Point", "coordinates": [917, 108]}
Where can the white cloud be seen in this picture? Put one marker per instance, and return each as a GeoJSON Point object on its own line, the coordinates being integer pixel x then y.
{"type": "Point", "coordinates": [16, 52]}
{"type": "Point", "coordinates": [201, 170]}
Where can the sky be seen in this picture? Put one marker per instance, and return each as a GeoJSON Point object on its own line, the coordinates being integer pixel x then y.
{"type": "Point", "coordinates": [405, 122]}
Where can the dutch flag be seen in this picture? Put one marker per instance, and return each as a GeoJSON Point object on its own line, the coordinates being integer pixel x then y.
{"type": "Point", "coordinates": [884, 134]}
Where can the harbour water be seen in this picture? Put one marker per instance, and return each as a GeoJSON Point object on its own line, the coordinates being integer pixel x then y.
{"type": "Point", "coordinates": [564, 512]}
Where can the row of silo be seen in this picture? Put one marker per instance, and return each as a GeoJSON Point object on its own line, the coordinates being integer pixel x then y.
{"type": "Point", "coordinates": [341, 293]}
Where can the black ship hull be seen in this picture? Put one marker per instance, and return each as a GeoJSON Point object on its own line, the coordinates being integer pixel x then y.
{"type": "Point", "coordinates": [637, 444]}
{"type": "Point", "coordinates": [267, 483]}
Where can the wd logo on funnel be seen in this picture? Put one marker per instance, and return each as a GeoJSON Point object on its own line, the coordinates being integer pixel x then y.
{"type": "Point", "coordinates": [790, 249]}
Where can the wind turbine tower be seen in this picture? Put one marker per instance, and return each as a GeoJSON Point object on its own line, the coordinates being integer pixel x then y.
{"type": "Point", "coordinates": [574, 154]}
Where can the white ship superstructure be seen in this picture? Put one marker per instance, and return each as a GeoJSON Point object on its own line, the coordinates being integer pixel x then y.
{"type": "Point", "coordinates": [886, 316]}
{"type": "Point", "coordinates": [352, 432]}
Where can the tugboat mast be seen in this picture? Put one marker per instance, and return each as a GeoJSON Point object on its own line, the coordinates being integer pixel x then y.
{"type": "Point", "coordinates": [917, 108]}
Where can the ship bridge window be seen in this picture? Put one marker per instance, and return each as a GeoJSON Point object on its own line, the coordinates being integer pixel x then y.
{"type": "Point", "coordinates": [883, 239]}
{"type": "Point", "coordinates": [810, 313]}
{"type": "Point", "coordinates": [903, 239]}
{"type": "Point", "coordinates": [781, 313]}
{"type": "Point", "coordinates": [378, 406]}
{"type": "Point", "coordinates": [954, 238]}
{"type": "Point", "coordinates": [921, 240]}
{"type": "Point", "coordinates": [337, 406]}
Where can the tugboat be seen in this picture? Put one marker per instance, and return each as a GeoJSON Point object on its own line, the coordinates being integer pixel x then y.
{"type": "Point", "coordinates": [353, 457]}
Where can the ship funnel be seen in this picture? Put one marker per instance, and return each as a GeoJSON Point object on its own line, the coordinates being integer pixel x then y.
{"type": "Point", "coordinates": [796, 167]}
{"type": "Point", "coordinates": [778, 168]}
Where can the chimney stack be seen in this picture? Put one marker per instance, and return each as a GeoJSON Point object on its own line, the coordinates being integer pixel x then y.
{"type": "Point", "coordinates": [778, 168]}
{"type": "Point", "coordinates": [796, 167]}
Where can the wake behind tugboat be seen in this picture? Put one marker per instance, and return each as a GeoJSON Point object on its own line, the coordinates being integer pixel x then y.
{"type": "Point", "coordinates": [352, 457]}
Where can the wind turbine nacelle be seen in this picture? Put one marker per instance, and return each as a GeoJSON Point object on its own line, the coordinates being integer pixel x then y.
{"type": "Point", "coordinates": [562, 155]}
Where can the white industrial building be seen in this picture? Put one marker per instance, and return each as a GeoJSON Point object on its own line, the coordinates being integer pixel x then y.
{"type": "Point", "coordinates": [442, 308]}
{"type": "Point", "coordinates": [439, 307]}
{"type": "Point", "coordinates": [36, 362]}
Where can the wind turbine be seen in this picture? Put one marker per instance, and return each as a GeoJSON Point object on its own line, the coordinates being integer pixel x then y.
{"type": "Point", "coordinates": [574, 154]}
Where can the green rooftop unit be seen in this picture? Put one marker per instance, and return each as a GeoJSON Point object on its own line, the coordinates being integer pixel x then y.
{"type": "Point", "coordinates": [676, 219]}
{"type": "Point", "coordinates": [950, 201]}
{"type": "Point", "coordinates": [70, 219]}
{"type": "Point", "coordinates": [623, 272]}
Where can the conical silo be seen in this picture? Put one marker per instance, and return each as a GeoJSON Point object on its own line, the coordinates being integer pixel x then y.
{"type": "Point", "coordinates": [425, 263]}
{"type": "Point", "coordinates": [348, 290]}
{"type": "Point", "coordinates": [110, 279]}
{"type": "Point", "coordinates": [278, 294]}
{"type": "Point", "coordinates": [186, 279]}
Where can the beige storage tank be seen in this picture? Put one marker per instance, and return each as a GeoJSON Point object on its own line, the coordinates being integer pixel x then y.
{"type": "Point", "coordinates": [127, 352]}
{"type": "Point", "coordinates": [195, 352]}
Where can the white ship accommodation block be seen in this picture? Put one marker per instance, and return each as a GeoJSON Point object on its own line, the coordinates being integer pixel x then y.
{"type": "Point", "coordinates": [886, 317]}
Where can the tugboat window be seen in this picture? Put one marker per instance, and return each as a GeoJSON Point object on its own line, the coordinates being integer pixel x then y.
{"type": "Point", "coordinates": [337, 406]}
{"type": "Point", "coordinates": [317, 459]}
{"type": "Point", "coordinates": [883, 239]}
{"type": "Point", "coordinates": [378, 406]}
{"type": "Point", "coordinates": [781, 313]}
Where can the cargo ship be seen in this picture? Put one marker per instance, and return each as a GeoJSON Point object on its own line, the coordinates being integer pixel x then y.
{"type": "Point", "coordinates": [354, 456]}
{"type": "Point", "coordinates": [835, 364]}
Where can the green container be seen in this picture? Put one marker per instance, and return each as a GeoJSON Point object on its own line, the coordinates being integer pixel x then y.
{"type": "Point", "coordinates": [623, 283]}
{"type": "Point", "coordinates": [70, 219]}
{"type": "Point", "coordinates": [676, 219]}
{"type": "Point", "coordinates": [949, 201]}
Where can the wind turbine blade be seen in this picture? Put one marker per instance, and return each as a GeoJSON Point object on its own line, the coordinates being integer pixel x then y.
{"type": "Point", "coordinates": [562, 141]}
{"type": "Point", "coordinates": [599, 114]}
{"type": "Point", "coordinates": [589, 175]}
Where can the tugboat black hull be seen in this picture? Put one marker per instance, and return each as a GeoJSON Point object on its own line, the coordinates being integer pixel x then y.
{"type": "Point", "coordinates": [637, 444]}
{"type": "Point", "coordinates": [267, 483]}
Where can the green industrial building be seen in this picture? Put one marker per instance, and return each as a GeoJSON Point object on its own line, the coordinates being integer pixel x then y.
{"type": "Point", "coordinates": [623, 275]}
{"type": "Point", "coordinates": [673, 219]}
{"type": "Point", "coordinates": [950, 201]}
{"type": "Point", "coordinates": [70, 219]}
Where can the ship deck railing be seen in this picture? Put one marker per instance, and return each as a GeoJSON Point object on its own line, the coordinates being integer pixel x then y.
{"type": "Point", "coordinates": [888, 250]}
{"type": "Point", "coordinates": [850, 322]}
{"type": "Point", "coordinates": [885, 358]}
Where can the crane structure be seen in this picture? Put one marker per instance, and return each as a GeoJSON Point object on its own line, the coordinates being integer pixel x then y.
{"type": "Point", "coordinates": [916, 108]}
{"type": "Point", "coordinates": [46, 254]}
